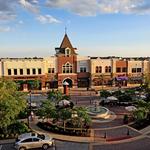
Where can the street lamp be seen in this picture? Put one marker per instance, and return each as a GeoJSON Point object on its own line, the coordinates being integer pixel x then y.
{"type": "Point", "coordinates": [30, 109]}
{"type": "Point", "coordinates": [66, 84]}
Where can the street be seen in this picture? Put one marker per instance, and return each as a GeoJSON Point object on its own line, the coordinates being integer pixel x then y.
{"type": "Point", "coordinates": [59, 145]}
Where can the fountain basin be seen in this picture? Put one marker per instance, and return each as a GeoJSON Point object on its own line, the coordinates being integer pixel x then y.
{"type": "Point", "coordinates": [98, 112]}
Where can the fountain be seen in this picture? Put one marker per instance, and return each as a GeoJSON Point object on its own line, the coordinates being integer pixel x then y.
{"type": "Point", "coordinates": [99, 113]}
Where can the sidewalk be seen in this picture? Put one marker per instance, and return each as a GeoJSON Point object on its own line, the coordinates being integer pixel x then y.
{"type": "Point", "coordinates": [145, 130]}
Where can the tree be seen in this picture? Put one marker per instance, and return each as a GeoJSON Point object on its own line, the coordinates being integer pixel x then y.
{"type": "Point", "coordinates": [56, 96]}
{"type": "Point", "coordinates": [65, 114]}
{"type": "Point", "coordinates": [35, 85]}
{"type": "Point", "coordinates": [12, 102]}
{"type": "Point", "coordinates": [48, 110]}
{"type": "Point", "coordinates": [143, 110]}
{"type": "Point", "coordinates": [83, 115]}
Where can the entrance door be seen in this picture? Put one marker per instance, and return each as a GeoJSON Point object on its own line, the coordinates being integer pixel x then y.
{"type": "Point", "coordinates": [69, 81]}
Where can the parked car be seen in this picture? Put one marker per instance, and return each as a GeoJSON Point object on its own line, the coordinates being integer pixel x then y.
{"type": "Point", "coordinates": [31, 141]}
{"type": "Point", "coordinates": [33, 134]}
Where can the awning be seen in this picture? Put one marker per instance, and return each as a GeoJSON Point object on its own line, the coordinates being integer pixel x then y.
{"type": "Point", "coordinates": [135, 78]}
{"type": "Point", "coordinates": [20, 81]}
{"type": "Point", "coordinates": [122, 78]}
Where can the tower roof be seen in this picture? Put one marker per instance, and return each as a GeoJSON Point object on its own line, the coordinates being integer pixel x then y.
{"type": "Point", "coordinates": [66, 42]}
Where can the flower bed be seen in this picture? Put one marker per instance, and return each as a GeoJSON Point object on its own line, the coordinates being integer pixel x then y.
{"type": "Point", "coordinates": [60, 130]}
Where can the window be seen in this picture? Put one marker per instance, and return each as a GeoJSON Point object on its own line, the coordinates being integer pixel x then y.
{"type": "Point", "coordinates": [28, 71]}
{"type": "Point", "coordinates": [106, 69]}
{"type": "Point", "coordinates": [39, 71]}
{"type": "Point", "coordinates": [83, 69]}
{"type": "Point", "coordinates": [27, 140]}
{"type": "Point", "coordinates": [33, 71]}
{"type": "Point", "coordinates": [9, 71]}
{"type": "Point", "coordinates": [96, 69]}
{"type": "Point", "coordinates": [124, 69]}
{"type": "Point", "coordinates": [139, 69]}
{"type": "Point", "coordinates": [51, 70]}
{"type": "Point", "coordinates": [15, 71]}
{"type": "Point", "coordinates": [67, 52]}
{"type": "Point", "coordinates": [109, 69]}
{"type": "Point", "coordinates": [67, 68]}
{"type": "Point", "coordinates": [133, 70]}
{"type": "Point", "coordinates": [118, 69]}
{"type": "Point", "coordinates": [21, 71]}
{"type": "Point", "coordinates": [35, 139]}
{"type": "Point", "coordinates": [100, 69]}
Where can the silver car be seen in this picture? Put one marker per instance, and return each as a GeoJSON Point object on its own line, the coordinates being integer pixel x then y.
{"type": "Point", "coordinates": [31, 142]}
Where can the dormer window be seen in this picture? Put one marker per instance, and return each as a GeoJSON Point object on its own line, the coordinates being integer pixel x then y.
{"type": "Point", "coordinates": [67, 52]}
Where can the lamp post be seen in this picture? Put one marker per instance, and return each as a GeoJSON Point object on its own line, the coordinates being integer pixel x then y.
{"type": "Point", "coordinates": [30, 109]}
{"type": "Point", "coordinates": [66, 84]}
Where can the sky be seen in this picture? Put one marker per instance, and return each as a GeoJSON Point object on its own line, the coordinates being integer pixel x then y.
{"type": "Point", "coordinates": [31, 28]}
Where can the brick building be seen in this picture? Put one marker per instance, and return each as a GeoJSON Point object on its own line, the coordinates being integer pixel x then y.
{"type": "Point", "coordinates": [79, 71]}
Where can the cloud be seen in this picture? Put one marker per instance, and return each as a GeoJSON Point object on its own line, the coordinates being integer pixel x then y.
{"type": "Point", "coordinates": [30, 5]}
{"type": "Point", "coordinates": [44, 19]}
{"type": "Point", "coordinates": [5, 29]}
{"type": "Point", "coordinates": [80, 7]}
{"type": "Point", "coordinates": [7, 11]}
{"type": "Point", "coordinates": [94, 7]}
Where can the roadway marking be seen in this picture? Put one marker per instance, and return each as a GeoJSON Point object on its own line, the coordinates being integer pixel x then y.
{"type": "Point", "coordinates": [1, 147]}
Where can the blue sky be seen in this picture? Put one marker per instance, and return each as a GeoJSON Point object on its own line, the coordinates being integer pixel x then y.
{"type": "Point", "coordinates": [96, 27]}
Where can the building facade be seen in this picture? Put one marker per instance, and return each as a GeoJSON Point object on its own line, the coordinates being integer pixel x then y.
{"type": "Point", "coordinates": [79, 71]}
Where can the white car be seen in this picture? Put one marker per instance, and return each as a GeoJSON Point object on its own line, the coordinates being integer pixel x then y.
{"type": "Point", "coordinates": [30, 141]}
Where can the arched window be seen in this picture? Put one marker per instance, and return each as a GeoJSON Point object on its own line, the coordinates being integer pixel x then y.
{"type": "Point", "coordinates": [109, 69]}
{"type": "Point", "coordinates": [106, 69]}
{"type": "Point", "coordinates": [100, 69]}
{"type": "Point", "coordinates": [96, 69]}
{"type": "Point", "coordinates": [67, 52]}
{"type": "Point", "coordinates": [67, 68]}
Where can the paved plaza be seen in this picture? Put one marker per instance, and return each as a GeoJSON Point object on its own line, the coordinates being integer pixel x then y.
{"type": "Point", "coordinates": [113, 135]}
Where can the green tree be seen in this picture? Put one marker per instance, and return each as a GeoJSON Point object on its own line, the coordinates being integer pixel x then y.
{"type": "Point", "coordinates": [146, 82]}
{"type": "Point", "coordinates": [143, 110]}
{"type": "Point", "coordinates": [84, 118]}
{"type": "Point", "coordinates": [48, 110]}
{"type": "Point", "coordinates": [65, 114]}
{"type": "Point", "coordinates": [12, 102]}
